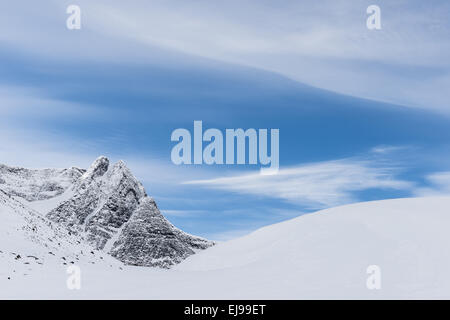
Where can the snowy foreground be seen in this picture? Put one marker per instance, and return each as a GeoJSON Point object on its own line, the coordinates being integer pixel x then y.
{"type": "Point", "coordinates": [321, 255]}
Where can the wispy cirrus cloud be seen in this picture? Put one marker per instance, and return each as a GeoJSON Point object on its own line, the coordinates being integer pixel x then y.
{"type": "Point", "coordinates": [325, 44]}
{"type": "Point", "coordinates": [29, 102]}
{"type": "Point", "coordinates": [438, 185]}
{"type": "Point", "coordinates": [387, 149]}
{"type": "Point", "coordinates": [316, 185]}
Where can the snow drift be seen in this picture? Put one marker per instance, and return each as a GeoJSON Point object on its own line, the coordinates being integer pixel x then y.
{"type": "Point", "coordinates": [322, 255]}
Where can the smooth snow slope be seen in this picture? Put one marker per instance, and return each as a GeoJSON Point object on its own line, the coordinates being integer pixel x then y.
{"type": "Point", "coordinates": [326, 254]}
{"type": "Point", "coordinates": [320, 255]}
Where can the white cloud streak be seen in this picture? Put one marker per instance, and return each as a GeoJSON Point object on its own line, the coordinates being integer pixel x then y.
{"type": "Point", "coordinates": [321, 43]}
{"type": "Point", "coordinates": [325, 44]}
{"type": "Point", "coordinates": [316, 185]}
{"type": "Point", "coordinates": [439, 185]}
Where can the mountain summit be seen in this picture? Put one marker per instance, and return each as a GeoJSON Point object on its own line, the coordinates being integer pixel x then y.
{"type": "Point", "coordinates": [107, 207]}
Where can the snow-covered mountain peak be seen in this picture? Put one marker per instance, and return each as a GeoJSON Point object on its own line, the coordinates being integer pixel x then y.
{"type": "Point", "coordinates": [121, 174]}
{"type": "Point", "coordinates": [107, 207]}
{"type": "Point", "coordinates": [97, 169]}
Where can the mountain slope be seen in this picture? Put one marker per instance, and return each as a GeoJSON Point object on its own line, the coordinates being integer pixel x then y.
{"type": "Point", "coordinates": [322, 255]}
{"type": "Point", "coordinates": [149, 234]}
{"type": "Point", "coordinates": [29, 242]}
{"type": "Point", "coordinates": [106, 207]}
{"type": "Point", "coordinates": [327, 253]}
{"type": "Point", "coordinates": [35, 185]}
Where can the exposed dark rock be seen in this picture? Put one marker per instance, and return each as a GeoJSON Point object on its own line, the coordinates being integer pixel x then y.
{"type": "Point", "coordinates": [148, 239]}
{"type": "Point", "coordinates": [107, 207]}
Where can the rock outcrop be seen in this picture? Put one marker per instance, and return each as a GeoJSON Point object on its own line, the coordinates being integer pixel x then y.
{"type": "Point", "coordinates": [109, 208]}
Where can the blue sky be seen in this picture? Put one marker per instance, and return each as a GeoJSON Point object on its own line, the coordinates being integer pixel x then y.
{"type": "Point", "coordinates": [363, 115]}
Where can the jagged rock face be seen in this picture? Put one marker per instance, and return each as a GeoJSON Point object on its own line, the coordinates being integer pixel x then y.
{"type": "Point", "coordinates": [111, 208]}
{"type": "Point", "coordinates": [37, 184]}
{"type": "Point", "coordinates": [148, 239]}
{"type": "Point", "coordinates": [107, 207]}
{"type": "Point", "coordinates": [104, 199]}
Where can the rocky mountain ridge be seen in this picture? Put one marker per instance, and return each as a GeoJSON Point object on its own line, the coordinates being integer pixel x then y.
{"type": "Point", "coordinates": [107, 207]}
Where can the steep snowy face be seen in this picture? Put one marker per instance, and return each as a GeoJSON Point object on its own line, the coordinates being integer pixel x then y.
{"type": "Point", "coordinates": [104, 206]}
{"type": "Point", "coordinates": [33, 185]}
{"type": "Point", "coordinates": [103, 200]}
{"type": "Point", "coordinates": [148, 239]}
{"type": "Point", "coordinates": [97, 169]}
{"type": "Point", "coordinates": [110, 206]}
{"type": "Point", "coordinates": [30, 242]}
